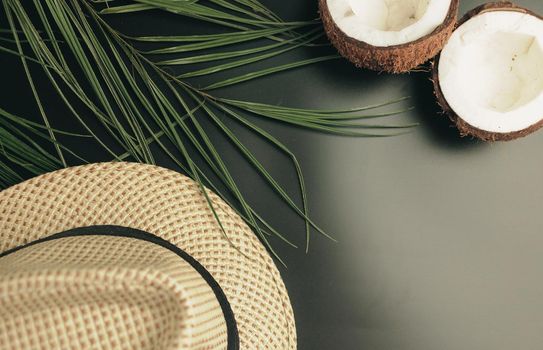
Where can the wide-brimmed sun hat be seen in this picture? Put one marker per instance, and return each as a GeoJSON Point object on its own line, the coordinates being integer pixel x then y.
{"type": "Point", "coordinates": [130, 256]}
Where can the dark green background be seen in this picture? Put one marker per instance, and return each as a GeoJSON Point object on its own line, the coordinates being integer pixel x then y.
{"type": "Point", "coordinates": [440, 238]}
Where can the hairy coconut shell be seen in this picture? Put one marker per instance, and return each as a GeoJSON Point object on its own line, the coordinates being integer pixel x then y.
{"type": "Point", "coordinates": [464, 127]}
{"type": "Point", "coordinates": [393, 59]}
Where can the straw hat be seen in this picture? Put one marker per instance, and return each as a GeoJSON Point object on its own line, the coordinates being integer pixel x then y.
{"type": "Point", "coordinates": [129, 256]}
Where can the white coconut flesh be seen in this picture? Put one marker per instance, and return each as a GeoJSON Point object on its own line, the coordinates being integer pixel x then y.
{"type": "Point", "coordinates": [491, 71]}
{"type": "Point", "coordinates": [386, 23]}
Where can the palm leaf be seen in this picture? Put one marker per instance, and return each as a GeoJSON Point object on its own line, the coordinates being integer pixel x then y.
{"type": "Point", "coordinates": [112, 87]}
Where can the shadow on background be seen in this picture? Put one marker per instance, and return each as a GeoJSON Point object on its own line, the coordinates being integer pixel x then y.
{"type": "Point", "coordinates": [434, 122]}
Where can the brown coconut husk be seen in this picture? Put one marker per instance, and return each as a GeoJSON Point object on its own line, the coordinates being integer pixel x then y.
{"type": "Point", "coordinates": [393, 59]}
{"type": "Point", "coordinates": [464, 127]}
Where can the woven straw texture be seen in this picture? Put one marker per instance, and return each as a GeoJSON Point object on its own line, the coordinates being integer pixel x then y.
{"type": "Point", "coordinates": [105, 292]}
{"type": "Point", "coordinates": [171, 206]}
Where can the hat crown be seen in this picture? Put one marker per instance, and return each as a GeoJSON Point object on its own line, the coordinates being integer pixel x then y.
{"type": "Point", "coordinates": [107, 292]}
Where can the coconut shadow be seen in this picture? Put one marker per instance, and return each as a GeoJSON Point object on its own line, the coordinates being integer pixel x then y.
{"type": "Point", "coordinates": [433, 121]}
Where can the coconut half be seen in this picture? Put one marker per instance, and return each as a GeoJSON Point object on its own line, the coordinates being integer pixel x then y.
{"type": "Point", "coordinates": [388, 35]}
{"type": "Point", "coordinates": [489, 76]}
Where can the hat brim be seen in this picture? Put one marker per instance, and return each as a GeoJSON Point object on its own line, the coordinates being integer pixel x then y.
{"type": "Point", "coordinates": [172, 207]}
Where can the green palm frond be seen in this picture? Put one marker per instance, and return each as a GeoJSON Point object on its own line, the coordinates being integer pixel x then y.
{"type": "Point", "coordinates": [128, 99]}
